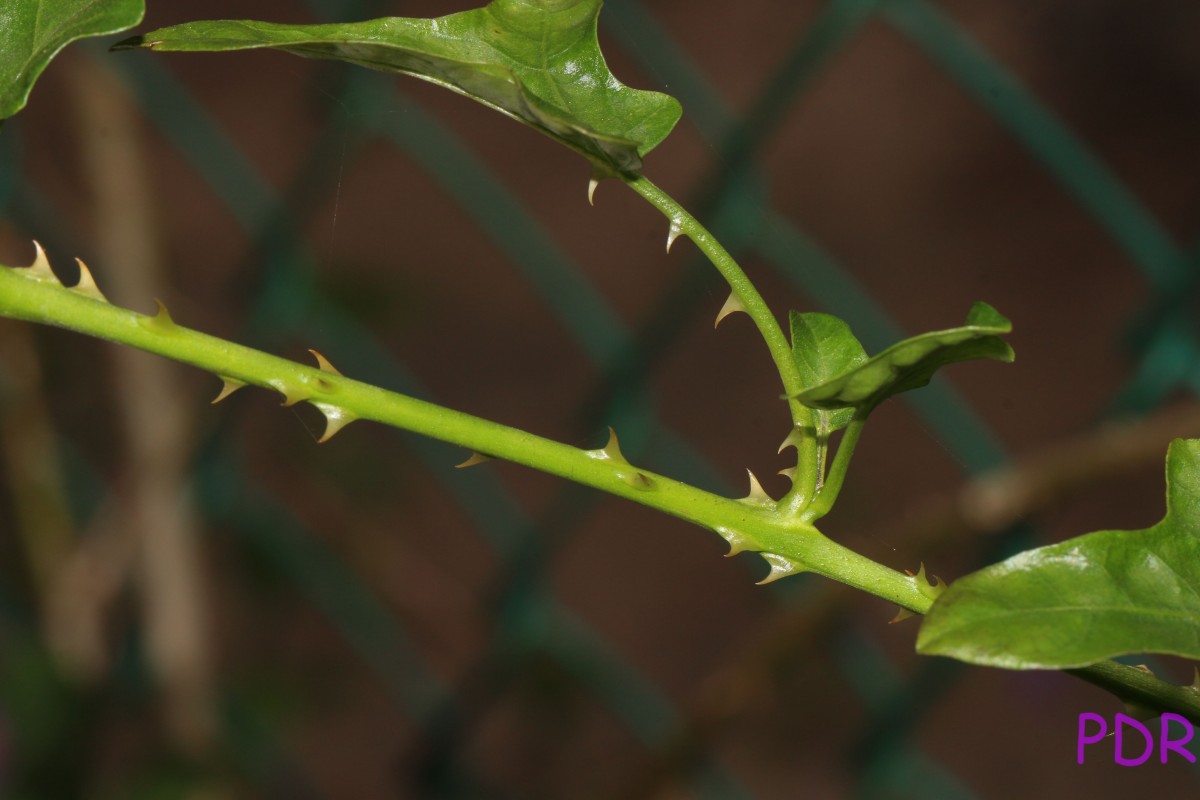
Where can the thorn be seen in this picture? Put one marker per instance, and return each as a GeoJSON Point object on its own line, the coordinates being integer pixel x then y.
{"type": "Point", "coordinates": [612, 450]}
{"type": "Point", "coordinates": [291, 394]}
{"type": "Point", "coordinates": [780, 568]}
{"type": "Point", "coordinates": [901, 615]}
{"type": "Point", "coordinates": [475, 458]}
{"type": "Point", "coordinates": [1195, 687]}
{"type": "Point", "coordinates": [931, 589]}
{"type": "Point", "coordinates": [732, 305]}
{"type": "Point", "coordinates": [593, 182]}
{"type": "Point", "coordinates": [758, 495]}
{"type": "Point", "coordinates": [793, 439]}
{"type": "Point", "coordinates": [160, 322]}
{"type": "Point", "coordinates": [1144, 668]}
{"type": "Point", "coordinates": [738, 542]}
{"type": "Point", "coordinates": [87, 284]}
{"type": "Point", "coordinates": [323, 363]}
{"type": "Point", "coordinates": [789, 473]}
{"type": "Point", "coordinates": [673, 233]}
{"type": "Point", "coordinates": [229, 386]}
{"type": "Point", "coordinates": [40, 268]}
{"type": "Point", "coordinates": [336, 418]}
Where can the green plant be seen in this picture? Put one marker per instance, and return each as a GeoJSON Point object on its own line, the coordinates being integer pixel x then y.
{"type": "Point", "coordinates": [1137, 590]}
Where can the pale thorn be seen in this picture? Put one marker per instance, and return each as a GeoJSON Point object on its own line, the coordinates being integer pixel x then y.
{"type": "Point", "coordinates": [673, 233]}
{"type": "Point", "coordinates": [87, 284]}
{"type": "Point", "coordinates": [1144, 668]}
{"type": "Point", "coordinates": [228, 387]}
{"type": "Point", "coordinates": [612, 450]}
{"type": "Point", "coordinates": [732, 306]}
{"type": "Point", "coordinates": [475, 458]}
{"type": "Point", "coordinates": [40, 268]}
{"type": "Point", "coordinates": [789, 473]}
{"type": "Point", "coordinates": [1195, 687]}
{"type": "Point", "coordinates": [336, 418]}
{"type": "Point", "coordinates": [780, 568]}
{"type": "Point", "coordinates": [323, 363]}
{"type": "Point", "coordinates": [757, 493]}
{"type": "Point", "coordinates": [160, 322]}
{"type": "Point", "coordinates": [592, 184]}
{"type": "Point", "coordinates": [901, 615]}
{"type": "Point", "coordinates": [794, 438]}
{"type": "Point", "coordinates": [738, 543]}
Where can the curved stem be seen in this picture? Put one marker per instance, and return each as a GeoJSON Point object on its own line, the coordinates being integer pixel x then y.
{"type": "Point", "coordinates": [684, 224]}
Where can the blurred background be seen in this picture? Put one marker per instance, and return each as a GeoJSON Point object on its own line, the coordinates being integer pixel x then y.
{"type": "Point", "coordinates": [199, 601]}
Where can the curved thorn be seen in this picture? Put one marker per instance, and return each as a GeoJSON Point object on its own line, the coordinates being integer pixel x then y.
{"type": "Point", "coordinates": [593, 182]}
{"type": "Point", "coordinates": [738, 542]}
{"type": "Point", "coordinates": [336, 418]}
{"type": "Point", "coordinates": [789, 473]}
{"type": "Point", "coordinates": [780, 568]}
{"type": "Point", "coordinates": [757, 495]}
{"type": "Point", "coordinates": [901, 615]}
{"type": "Point", "coordinates": [475, 458]}
{"type": "Point", "coordinates": [673, 233]}
{"type": "Point", "coordinates": [612, 450]}
{"type": "Point", "coordinates": [40, 268]}
{"type": "Point", "coordinates": [794, 438]}
{"type": "Point", "coordinates": [160, 322]}
{"type": "Point", "coordinates": [87, 284]}
{"type": "Point", "coordinates": [228, 387]}
{"type": "Point", "coordinates": [323, 363]}
{"type": "Point", "coordinates": [732, 306]}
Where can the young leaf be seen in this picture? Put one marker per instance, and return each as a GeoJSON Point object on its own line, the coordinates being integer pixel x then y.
{"type": "Point", "coordinates": [911, 363]}
{"type": "Point", "coordinates": [1090, 598]}
{"type": "Point", "coordinates": [537, 61]}
{"type": "Point", "coordinates": [33, 31]}
{"type": "Point", "coordinates": [824, 348]}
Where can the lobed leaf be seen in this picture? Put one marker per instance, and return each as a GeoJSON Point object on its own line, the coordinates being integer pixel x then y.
{"type": "Point", "coordinates": [32, 32]}
{"type": "Point", "coordinates": [1094, 597]}
{"type": "Point", "coordinates": [910, 364]}
{"type": "Point", "coordinates": [537, 61]}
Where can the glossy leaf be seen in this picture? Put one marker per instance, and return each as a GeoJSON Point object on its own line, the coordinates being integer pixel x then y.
{"type": "Point", "coordinates": [824, 348]}
{"type": "Point", "coordinates": [910, 364]}
{"type": "Point", "coordinates": [1087, 599]}
{"type": "Point", "coordinates": [32, 32]}
{"type": "Point", "coordinates": [537, 61]}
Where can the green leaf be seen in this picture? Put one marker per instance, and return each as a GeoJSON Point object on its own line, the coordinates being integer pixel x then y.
{"type": "Point", "coordinates": [824, 348]}
{"type": "Point", "coordinates": [33, 31]}
{"type": "Point", "coordinates": [1094, 597]}
{"type": "Point", "coordinates": [537, 61]}
{"type": "Point", "coordinates": [911, 363]}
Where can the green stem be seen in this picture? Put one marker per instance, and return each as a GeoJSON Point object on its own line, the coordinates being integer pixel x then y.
{"type": "Point", "coordinates": [828, 492]}
{"type": "Point", "coordinates": [683, 223]}
{"type": "Point", "coordinates": [1139, 687]}
{"type": "Point", "coordinates": [789, 544]}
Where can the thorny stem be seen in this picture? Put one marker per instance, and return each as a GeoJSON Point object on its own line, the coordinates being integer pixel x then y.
{"type": "Point", "coordinates": [684, 224]}
{"type": "Point", "coordinates": [759, 526]}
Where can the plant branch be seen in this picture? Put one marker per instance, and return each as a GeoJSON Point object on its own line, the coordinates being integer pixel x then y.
{"type": "Point", "coordinates": [683, 223]}
{"type": "Point", "coordinates": [753, 524]}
